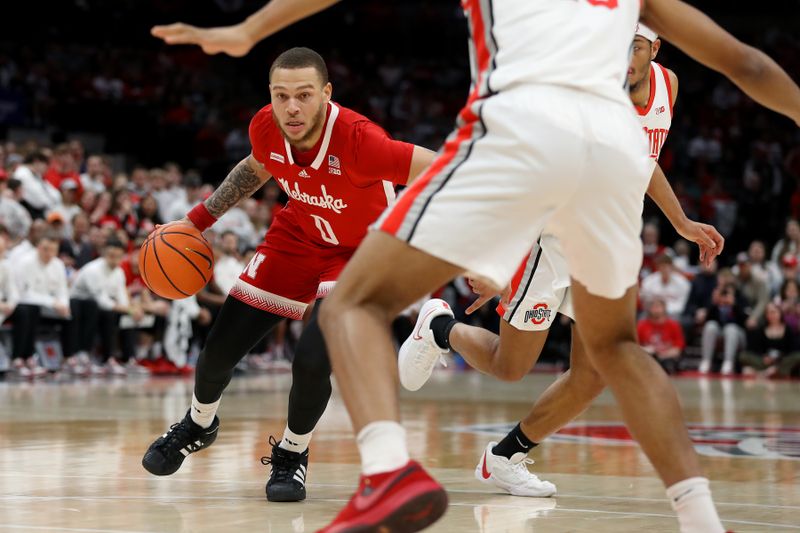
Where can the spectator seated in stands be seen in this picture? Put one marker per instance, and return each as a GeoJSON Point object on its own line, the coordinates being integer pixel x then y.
{"type": "Point", "coordinates": [43, 297]}
{"type": "Point", "coordinates": [661, 336]}
{"type": "Point", "coordinates": [725, 318]}
{"type": "Point", "coordinates": [752, 289]}
{"type": "Point", "coordinates": [651, 248]}
{"type": "Point", "coordinates": [668, 284]}
{"type": "Point", "coordinates": [789, 243]}
{"type": "Point", "coordinates": [696, 310]}
{"type": "Point", "coordinates": [38, 195]}
{"type": "Point", "coordinates": [788, 300]}
{"type": "Point", "coordinates": [9, 294]}
{"type": "Point", "coordinates": [789, 268]}
{"type": "Point", "coordinates": [771, 348]}
{"type": "Point", "coordinates": [98, 299]}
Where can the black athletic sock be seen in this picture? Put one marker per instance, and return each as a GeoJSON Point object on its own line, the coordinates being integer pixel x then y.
{"type": "Point", "coordinates": [441, 326]}
{"type": "Point", "coordinates": [514, 442]}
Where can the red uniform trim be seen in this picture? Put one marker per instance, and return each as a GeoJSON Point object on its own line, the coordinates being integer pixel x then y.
{"type": "Point", "coordinates": [669, 87]}
{"type": "Point", "coordinates": [645, 110]}
{"type": "Point", "coordinates": [515, 283]}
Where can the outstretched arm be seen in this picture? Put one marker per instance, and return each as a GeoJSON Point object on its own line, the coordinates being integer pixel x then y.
{"type": "Point", "coordinates": [237, 40]}
{"type": "Point", "coordinates": [706, 42]}
{"type": "Point", "coordinates": [705, 236]}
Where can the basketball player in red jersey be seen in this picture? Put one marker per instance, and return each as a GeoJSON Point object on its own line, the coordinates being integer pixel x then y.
{"type": "Point", "coordinates": [538, 291]}
{"type": "Point", "coordinates": [339, 170]}
{"type": "Point", "coordinates": [546, 138]}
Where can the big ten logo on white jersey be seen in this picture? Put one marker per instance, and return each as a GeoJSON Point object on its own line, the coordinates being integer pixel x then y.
{"type": "Point", "coordinates": [656, 119]}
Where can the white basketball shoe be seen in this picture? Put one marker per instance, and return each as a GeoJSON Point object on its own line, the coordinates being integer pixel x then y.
{"type": "Point", "coordinates": [419, 353]}
{"type": "Point", "coordinates": [511, 475]}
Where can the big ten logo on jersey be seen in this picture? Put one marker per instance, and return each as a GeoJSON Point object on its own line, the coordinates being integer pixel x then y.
{"type": "Point", "coordinates": [538, 314]}
{"type": "Point", "coordinates": [656, 138]}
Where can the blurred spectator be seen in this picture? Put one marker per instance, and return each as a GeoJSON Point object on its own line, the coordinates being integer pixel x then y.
{"type": "Point", "coordinates": [661, 336]}
{"type": "Point", "coordinates": [139, 184]}
{"type": "Point", "coordinates": [43, 297]}
{"type": "Point", "coordinates": [763, 268]}
{"type": "Point", "coordinates": [789, 268]}
{"type": "Point", "coordinates": [667, 284]}
{"type": "Point", "coordinates": [148, 214]}
{"type": "Point", "coordinates": [97, 175]}
{"type": "Point", "coordinates": [193, 196]}
{"type": "Point", "coordinates": [789, 243]}
{"type": "Point", "coordinates": [683, 261]}
{"type": "Point", "coordinates": [38, 195]}
{"type": "Point", "coordinates": [69, 207]}
{"type": "Point", "coordinates": [9, 292]}
{"type": "Point", "coordinates": [788, 300]}
{"type": "Point", "coordinates": [228, 265]}
{"type": "Point", "coordinates": [702, 288]}
{"type": "Point", "coordinates": [63, 166]}
{"type": "Point", "coordinates": [98, 300]}
{"type": "Point", "coordinates": [15, 218]}
{"type": "Point", "coordinates": [170, 191]}
{"type": "Point", "coordinates": [75, 249]}
{"type": "Point", "coordinates": [725, 318]}
{"type": "Point", "coordinates": [237, 221]}
{"type": "Point", "coordinates": [120, 214]}
{"type": "Point", "coordinates": [771, 348]}
{"type": "Point", "coordinates": [752, 289]}
{"type": "Point", "coordinates": [651, 247]}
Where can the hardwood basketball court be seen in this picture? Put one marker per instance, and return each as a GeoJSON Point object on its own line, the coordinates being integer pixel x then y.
{"type": "Point", "coordinates": [70, 457]}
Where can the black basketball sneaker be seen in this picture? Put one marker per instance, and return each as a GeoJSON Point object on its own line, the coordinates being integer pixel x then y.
{"type": "Point", "coordinates": [166, 454]}
{"type": "Point", "coordinates": [287, 480]}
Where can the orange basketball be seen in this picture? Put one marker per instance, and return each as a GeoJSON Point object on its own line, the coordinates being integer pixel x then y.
{"type": "Point", "coordinates": [176, 261]}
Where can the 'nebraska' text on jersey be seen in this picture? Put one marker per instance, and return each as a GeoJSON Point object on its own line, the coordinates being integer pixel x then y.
{"type": "Point", "coordinates": [349, 183]}
{"type": "Point", "coordinates": [656, 118]}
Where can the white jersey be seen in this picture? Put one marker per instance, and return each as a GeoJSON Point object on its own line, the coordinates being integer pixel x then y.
{"type": "Point", "coordinates": [553, 42]}
{"type": "Point", "coordinates": [656, 118]}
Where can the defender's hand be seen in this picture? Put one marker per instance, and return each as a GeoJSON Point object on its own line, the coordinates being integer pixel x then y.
{"type": "Point", "coordinates": [231, 40]}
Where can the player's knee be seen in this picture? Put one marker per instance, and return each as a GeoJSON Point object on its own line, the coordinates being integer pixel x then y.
{"type": "Point", "coordinates": [506, 370]}
{"type": "Point", "coordinates": [588, 379]}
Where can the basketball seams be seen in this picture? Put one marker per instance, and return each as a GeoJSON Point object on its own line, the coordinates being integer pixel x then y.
{"type": "Point", "coordinates": [195, 237]}
{"type": "Point", "coordinates": [176, 250]}
{"type": "Point", "coordinates": [158, 260]}
{"type": "Point", "coordinates": [171, 258]}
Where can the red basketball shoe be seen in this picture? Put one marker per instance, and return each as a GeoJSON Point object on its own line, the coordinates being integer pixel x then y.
{"type": "Point", "coordinates": [401, 501]}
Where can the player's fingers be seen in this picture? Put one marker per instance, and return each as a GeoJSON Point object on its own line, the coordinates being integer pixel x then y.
{"type": "Point", "coordinates": [164, 30]}
{"type": "Point", "coordinates": [477, 304]}
{"type": "Point", "coordinates": [717, 237]}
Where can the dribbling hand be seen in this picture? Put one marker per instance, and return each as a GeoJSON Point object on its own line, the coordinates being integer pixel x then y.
{"type": "Point", "coordinates": [485, 293]}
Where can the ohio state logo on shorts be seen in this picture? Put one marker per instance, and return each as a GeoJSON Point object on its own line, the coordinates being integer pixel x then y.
{"type": "Point", "coordinates": [538, 314]}
{"type": "Point", "coordinates": [740, 441]}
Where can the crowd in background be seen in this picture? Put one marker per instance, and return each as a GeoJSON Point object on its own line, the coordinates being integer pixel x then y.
{"type": "Point", "coordinates": [90, 113]}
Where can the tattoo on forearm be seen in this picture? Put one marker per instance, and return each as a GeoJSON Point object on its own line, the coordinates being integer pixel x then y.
{"type": "Point", "coordinates": [241, 182]}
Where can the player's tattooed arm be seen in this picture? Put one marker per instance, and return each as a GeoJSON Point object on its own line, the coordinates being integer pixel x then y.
{"type": "Point", "coordinates": [245, 179]}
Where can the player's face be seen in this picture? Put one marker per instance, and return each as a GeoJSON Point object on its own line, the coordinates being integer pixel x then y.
{"type": "Point", "coordinates": [299, 103]}
{"type": "Point", "coordinates": [643, 53]}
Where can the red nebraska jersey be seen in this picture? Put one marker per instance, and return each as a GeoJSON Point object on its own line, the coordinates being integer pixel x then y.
{"type": "Point", "coordinates": [348, 183]}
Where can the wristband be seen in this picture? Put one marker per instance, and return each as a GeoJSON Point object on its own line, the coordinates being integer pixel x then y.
{"type": "Point", "coordinates": [200, 217]}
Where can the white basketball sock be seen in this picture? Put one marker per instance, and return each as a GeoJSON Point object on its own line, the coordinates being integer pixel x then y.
{"type": "Point", "coordinates": [691, 500]}
{"type": "Point", "coordinates": [294, 442]}
{"type": "Point", "coordinates": [203, 413]}
{"type": "Point", "coordinates": [382, 446]}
